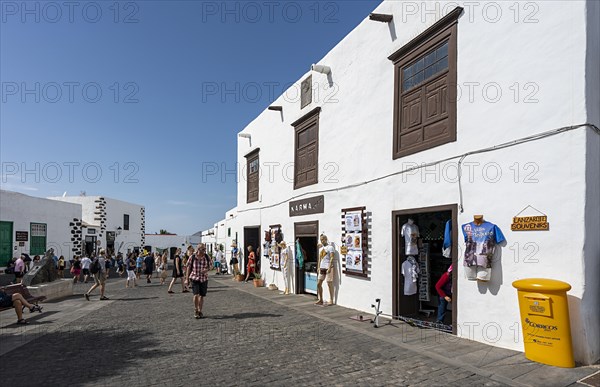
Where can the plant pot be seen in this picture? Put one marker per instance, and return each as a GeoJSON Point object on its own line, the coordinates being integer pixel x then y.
{"type": "Point", "coordinates": [258, 283]}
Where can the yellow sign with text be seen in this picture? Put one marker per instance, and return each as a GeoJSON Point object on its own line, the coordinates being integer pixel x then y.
{"type": "Point", "coordinates": [530, 223]}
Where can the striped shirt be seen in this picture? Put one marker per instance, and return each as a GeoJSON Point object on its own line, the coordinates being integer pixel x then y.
{"type": "Point", "coordinates": [198, 268]}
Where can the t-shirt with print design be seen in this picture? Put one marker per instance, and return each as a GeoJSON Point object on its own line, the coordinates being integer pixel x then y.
{"type": "Point", "coordinates": [480, 243]}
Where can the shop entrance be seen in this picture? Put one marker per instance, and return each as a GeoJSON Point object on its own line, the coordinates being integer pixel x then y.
{"type": "Point", "coordinates": [251, 238]}
{"type": "Point", "coordinates": [90, 245]}
{"type": "Point", "coordinates": [419, 233]}
{"type": "Point", "coordinates": [306, 236]}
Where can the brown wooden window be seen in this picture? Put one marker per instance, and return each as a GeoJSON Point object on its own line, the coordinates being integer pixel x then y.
{"type": "Point", "coordinates": [252, 171]}
{"type": "Point", "coordinates": [425, 89]}
{"type": "Point", "coordinates": [306, 160]}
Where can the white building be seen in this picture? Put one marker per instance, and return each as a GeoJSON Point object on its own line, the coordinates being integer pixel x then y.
{"type": "Point", "coordinates": [507, 96]}
{"type": "Point", "coordinates": [34, 225]}
{"type": "Point", "coordinates": [108, 223]}
{"type": "Point", "coordinates": [170, 242]}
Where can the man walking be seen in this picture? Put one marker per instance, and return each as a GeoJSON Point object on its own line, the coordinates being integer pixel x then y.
{"type": "Point", "coordinates": [197, 271]}
{"type": "Point", "coordinates": [85, 266]}
{"type": "Point", "coordinates": [99, 276]}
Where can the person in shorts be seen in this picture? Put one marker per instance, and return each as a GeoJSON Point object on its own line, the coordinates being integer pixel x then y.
{"type": "Point", "coordinates": [99, 278]}
{"type": "Point", "coordinates": [85, 268]}
{"type": "Point", "coordinates": [197, 274]}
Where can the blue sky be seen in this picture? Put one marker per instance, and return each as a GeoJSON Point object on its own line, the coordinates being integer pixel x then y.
{"type": "Point", "coordinates": [129, 99]}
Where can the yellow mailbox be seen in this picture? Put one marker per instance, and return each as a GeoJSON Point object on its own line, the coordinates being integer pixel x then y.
{"type": "Point", "coordinates": [545, 321]}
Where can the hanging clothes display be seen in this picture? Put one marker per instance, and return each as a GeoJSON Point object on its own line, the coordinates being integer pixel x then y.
{"type": "Point", "coordinates": [481, 239]}
{"type": "Point", "coordinates": [410, 271]}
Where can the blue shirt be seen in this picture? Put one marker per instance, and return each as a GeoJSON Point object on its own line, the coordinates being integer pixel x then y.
{"type": "Point", "coordinates": [480, 243]}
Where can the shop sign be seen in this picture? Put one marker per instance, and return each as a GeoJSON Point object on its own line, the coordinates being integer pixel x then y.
{"type": "Point", "coordinates": [530, 223]}
{"type": "Point", "coordinates": [314, 205]}
{"type": "Point", "coordinates": [21, 236]}
{"type": "Point", "coordinates": [21, 244]}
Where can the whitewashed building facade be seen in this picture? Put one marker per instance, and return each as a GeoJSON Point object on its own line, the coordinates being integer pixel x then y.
{"type": "Point", "coordinates": [438, 115]}
{"type": "Point", "coordinates": [33, 225]}
{"type": "Point", "coordinates": [108, 223]}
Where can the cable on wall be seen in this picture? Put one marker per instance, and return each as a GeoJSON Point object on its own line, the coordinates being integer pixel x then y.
{"type": "Point", "coordinates": [461, 158]}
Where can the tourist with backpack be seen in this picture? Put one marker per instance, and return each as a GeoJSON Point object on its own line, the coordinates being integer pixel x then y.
{"type": "Point", "coordinates": [98, 270]}
{"type": "Point", "coordinates": [197, 272]}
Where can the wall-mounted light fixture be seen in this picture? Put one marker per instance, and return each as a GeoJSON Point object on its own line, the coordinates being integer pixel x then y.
{"type": "Point", "coordinates": [119, 230]}
{"type": "Point", "coordinates": [380, 17]}
{"type": "Point", "coordinates": [276, 108]}
{"type": "Point", "coordinates": [321, 68]}
{"type": "Point", "coordinates": [246, 135]}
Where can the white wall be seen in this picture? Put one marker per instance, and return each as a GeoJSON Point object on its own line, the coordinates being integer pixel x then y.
{"type": "Point", "coordinates": [114, 211]}
{"type": "Point", "coordinates": [23, 210]}
{"type": "Point", "coordinates": [540, 68]}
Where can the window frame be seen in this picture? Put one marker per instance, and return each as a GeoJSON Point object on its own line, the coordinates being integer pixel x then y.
{"type": "Point", "coordinates": [304, 123]}
{"type": "Point", "coordinates": [250, 158]}
{"type": "Point", "coordinates": [34, 245]}
{"type": "Point", "coordinates": [445, 29]}
{"type": "Point", "coordinates": [125, 222]}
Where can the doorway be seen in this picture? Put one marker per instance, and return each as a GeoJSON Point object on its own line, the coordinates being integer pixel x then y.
{"type": "Point", "coordinates": [306, 235]}
{"type": "Point", "coordinates": [251, 238]}
{"type": "Point", "coordinates": [418, 300]}
{"type": "Point", "coordinates": [90, 245]}
{"type": "Point", "coordinates": [6, 242]}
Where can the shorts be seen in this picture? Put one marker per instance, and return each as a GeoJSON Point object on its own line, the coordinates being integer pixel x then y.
{"type": "Point", "coordinates": [19, 274]}
{"type": "Point", "coordinates": [480, 273]}
{"type": "Point", "coordinates": [200, 288]}
{"type": "Point", "coordinates": [138, 270]}
{"type": "Point", "coordinates": [130, 275]}
{"type": "Point", "coordinates": [76, 272]}
{"type": "Point", "coordinates": [217, 264]}
{"type": "Point", "coordinates": [327, 276]}
{"type": "Point", "coordinates": [148, 272]}
{"type": "Point", "coordinates": [100, 278]}
{"type": "Point", "coordinates": [86, 271]}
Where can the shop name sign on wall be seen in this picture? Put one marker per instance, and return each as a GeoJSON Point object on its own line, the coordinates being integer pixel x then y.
{"type": "Point", "coordinates": [314, 205]}
{"type": "Point", "coordinates": [21, 236]}
{"type": "Point", "coordinates": [530, 223]}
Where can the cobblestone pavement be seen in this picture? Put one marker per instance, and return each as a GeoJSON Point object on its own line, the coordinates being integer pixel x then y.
{"type": "Point", "coordinates": [144, 336]}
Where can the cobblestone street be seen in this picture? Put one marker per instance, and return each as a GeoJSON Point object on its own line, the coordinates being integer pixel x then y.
{"type": "Point", "coordinates": [144, 336]}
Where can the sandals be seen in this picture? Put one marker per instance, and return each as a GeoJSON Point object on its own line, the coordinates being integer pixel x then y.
{"type": "Point", "coordinates": [35, 308]}
{"type": "Point", "coordinates": [170, 292]}
{"type": "Point", "coordinates": [103, 298]}
{"type": "Point", "coordinates": [22, 322]}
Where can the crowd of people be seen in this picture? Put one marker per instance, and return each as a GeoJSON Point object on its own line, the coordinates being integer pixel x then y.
{"type": "Point", "coordinates": [189, 268]}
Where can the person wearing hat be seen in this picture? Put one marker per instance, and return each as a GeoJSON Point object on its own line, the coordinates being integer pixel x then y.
{"type": "Point", "coordinates": [234, 260]}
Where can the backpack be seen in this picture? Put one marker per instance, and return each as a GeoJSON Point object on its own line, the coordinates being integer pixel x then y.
{"type": "Point", "coordinates": [95, 266]}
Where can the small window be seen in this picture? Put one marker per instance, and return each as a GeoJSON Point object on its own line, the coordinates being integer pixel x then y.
{"type": "Point", "coordinates": [125, 222]}
{"type": "Point", "coordinates": [228, 231]}
{"type": "Point", "coordinates": [425, 89]}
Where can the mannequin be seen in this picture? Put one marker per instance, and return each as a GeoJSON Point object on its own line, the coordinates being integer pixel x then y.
{"type": "Point", "coordinates": [410, 271]}
{"type": "Point", "coordinates": [284, 259]}
{"type": "Point", "coordinates": [481, 238]}
{"type": "Point", "coordinates": [410, 232]}
{"type": "Point", "coordinates": [234, 260]}
{"type": "Point", "coordinates": [326, 269]}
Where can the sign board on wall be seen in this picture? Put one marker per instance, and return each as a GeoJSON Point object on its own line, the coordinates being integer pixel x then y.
{"type": "Point", "coordinates": [21, 236]}
{"type": "Point", "coordinates": [314, 205]}
{"type": "Point", "coordinates": [530, 223]}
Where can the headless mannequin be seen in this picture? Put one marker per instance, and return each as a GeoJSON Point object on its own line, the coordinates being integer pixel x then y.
{"type": "Point", "coordinates": [284, 258]}
{"type": "Point", "coordinates": [478, 219]}
{"type": "Point", "coordinates": [325, 265]}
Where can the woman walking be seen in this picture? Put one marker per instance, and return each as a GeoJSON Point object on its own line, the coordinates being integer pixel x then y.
{"type": "Point", "coordinates": [163, 268]}
{"type": "Point", "coordinates": [177, 273]}
{"type": "Point", "coordinates": [251, 263]}
{"type": "Point", "coordinates": [76, 269]}
{"type": "Point", "coordinates": [131, 266]}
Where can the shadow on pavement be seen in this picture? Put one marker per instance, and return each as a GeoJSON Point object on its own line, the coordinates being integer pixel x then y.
{"type": "Point", "coordinates": [93, 354]}
{"type": "Point", "coordinates": [241, 316]}
{"type": "Point", "coordinates": [133, 299]}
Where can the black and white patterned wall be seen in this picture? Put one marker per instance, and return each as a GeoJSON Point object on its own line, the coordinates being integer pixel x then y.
{"type": "Point", "coordinates": [76, 238]}
{"type": "Point", "coordinates": [143, 226]}
{"type": "Point", "coordinates": [100, 214]}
